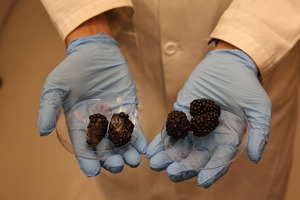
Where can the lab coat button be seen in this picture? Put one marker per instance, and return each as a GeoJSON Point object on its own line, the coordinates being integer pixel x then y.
{"type": "Point", "coordinates": [170, 48]}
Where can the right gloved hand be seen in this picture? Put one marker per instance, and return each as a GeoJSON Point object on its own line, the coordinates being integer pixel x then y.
{"type": "Point", "coordinates": [93, 63]}
{"type": "Point", "coordinates": [228, 76]}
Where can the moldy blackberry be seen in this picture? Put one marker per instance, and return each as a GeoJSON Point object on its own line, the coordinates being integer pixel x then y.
{"type": "Point", "coordinates": [177, 124]}
{"type": "Point", "coordinates": [120, 129]}
{"type": "Point", "coordinates": [201, 106]}
{"type": "Point", "coordinates": [205, 114]}
{"type": "Point", "coordinates": [96, 129]}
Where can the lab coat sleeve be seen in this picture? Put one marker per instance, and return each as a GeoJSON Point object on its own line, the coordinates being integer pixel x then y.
{"type": "Point", "coordinates": [66, 15]}
{"type": "Point", "coordinates": [265, 30]}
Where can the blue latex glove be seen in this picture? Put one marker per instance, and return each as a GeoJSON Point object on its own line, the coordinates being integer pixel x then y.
{"type": "Point", "coordinates": [228, 76]}
{"type": "Point", "coordinates": [92, 63]}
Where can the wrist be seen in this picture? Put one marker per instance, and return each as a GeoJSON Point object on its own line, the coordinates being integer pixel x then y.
{"type": "Point", "coordinates": [224, 45]}
{"type": "Point", "coordinates": [92, 26]}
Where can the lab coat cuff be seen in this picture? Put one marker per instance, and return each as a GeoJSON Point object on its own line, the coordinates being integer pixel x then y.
{"type": "Point", "coordinates": [66, 18]}
{"type": "Point", "coordinates": [252, 36]}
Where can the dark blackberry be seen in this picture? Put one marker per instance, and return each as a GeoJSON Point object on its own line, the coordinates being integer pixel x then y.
{"type": "Point", "coordinates": [120, 129]}
{"type": "Point", "coordinates": [177, 124]}
{"type": "Point", "coordinates": [202, 125]}
{"type": "Point", "coordinates": [201, 106]}
{"type": "Point", "coordinates": [205, 114]}
{"type": "Point", "coordinates": [96, 129]}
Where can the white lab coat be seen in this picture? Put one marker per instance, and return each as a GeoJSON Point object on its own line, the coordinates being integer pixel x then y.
{"type": "Point", "coordinates": [163, 41]}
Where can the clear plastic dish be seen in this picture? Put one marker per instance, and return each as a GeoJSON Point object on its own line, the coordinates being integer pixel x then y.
{"type": "Point", "coordinates": [72, 124]}
{"type": "Point", "coordinates": [220, 147]}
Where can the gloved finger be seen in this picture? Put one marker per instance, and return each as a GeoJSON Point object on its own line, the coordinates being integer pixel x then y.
{"type": "Point", "coordinates": [50, 106]}
{"type": "Point", "coordinates": [176, 152]}
{"type": "Point", "coordinates": [178, 172]}
{"type": "Point", "coordinates": [132, 157]}
{"type": "Point", "coordinates": [207, 177]}
{"type": "Point", "coordinates": [86, 157]}
{"type": "Point", "coordinates": [114, 163]}
{"type": "Point", "coordinates": [188, 167]}
{"type": "Point", "coordinates": [89, 167]}
{"type": "Point", "coordinates": [155, 146]}
{"type": "Point", "coordinates": [141, 142]}
{"type": "Point", "coordinates": [160, 161]}
{"type": "Point", "coordinates": [222, 155]}
{"type": "Point", "coordinates": [260, 123]}
{"type": "Point", "coordinates": [256, 144]}
{"type": "Point", "coordinates": [110, 160]}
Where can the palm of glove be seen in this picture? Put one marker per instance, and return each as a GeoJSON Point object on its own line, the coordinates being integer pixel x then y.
{"type": "Point", "coordinates": [93, 63]}
{"type": "Point", "coordinates": [227, 76]}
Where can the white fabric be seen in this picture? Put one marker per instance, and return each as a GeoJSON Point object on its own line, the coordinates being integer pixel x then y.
{"type": "Point", "coordinates": [265, 30]}
{"type": "Point", "coordinates": [68, 14]}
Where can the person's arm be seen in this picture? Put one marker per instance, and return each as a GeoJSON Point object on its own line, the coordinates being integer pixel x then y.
{"type": "Point", "coordinates": [224, 45]}
{"type": "Point", "coordinates": [92, 26]}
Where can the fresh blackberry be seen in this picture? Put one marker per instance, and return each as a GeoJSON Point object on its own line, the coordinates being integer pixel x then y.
{"type": "Point", "coordinates": [201, 106]}
{"type": "Point", "coordinates": [205, 114]}
{"type": "Point", "coordinates": [96, 129]}
{"type": "Point", "coordinates": [120, 129]}
{"type": "Point", "coordinates": [177, 124]}
{"type": "Point", "coordinates": [202, 125]}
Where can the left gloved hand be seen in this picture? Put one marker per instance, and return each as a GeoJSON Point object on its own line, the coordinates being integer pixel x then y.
{"type": "Point", "coordinates": [93, 63]}
{"type": "Point", "coordinates": [227, 76]}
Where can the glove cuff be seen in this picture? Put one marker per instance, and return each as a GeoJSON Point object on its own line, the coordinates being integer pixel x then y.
{"type": "Point", "coordinates": [240, 55]}
{"type": "Point", "coordinates": [73, 44]}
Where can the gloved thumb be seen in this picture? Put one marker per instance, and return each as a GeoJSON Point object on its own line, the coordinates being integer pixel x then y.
{"type": "Point", "coordinates": [256, 144]}
{"type": "Point", "coordinates": [259, 131]}
{"type": "Point", "coordinates": [50, 106]}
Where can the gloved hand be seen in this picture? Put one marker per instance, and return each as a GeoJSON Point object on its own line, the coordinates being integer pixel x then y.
{"type": "Point", "coordinates": [93, 63]}
{"type": "Point", "coordinates": [227, 76]}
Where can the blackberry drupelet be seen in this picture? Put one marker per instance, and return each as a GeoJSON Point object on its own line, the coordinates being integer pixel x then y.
{"type": "Point", "coordinates": [203, 124]}
{"type": "Point", "coordinates": [201, 106]}
{"type": "Point", "coordinates": [96, 129]}
{"type": "Point", "coordinates": [120, 129]}
{"type": "Point", "coordinates": [177, 124]}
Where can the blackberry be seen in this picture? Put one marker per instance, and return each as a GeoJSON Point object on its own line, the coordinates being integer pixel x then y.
{"type": "Point", "coordinates": [202, 125]}
{"type": "Point", "coordinates": [201, 106]}
{"type": "Point", "coordinates": [96, 129]}
{"type": "Point", "coordinates": [177, 124]}
{"type": "Point", "coordinates": [205, 114]}
{"type": "Point", "coordinates": [120, 129]}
